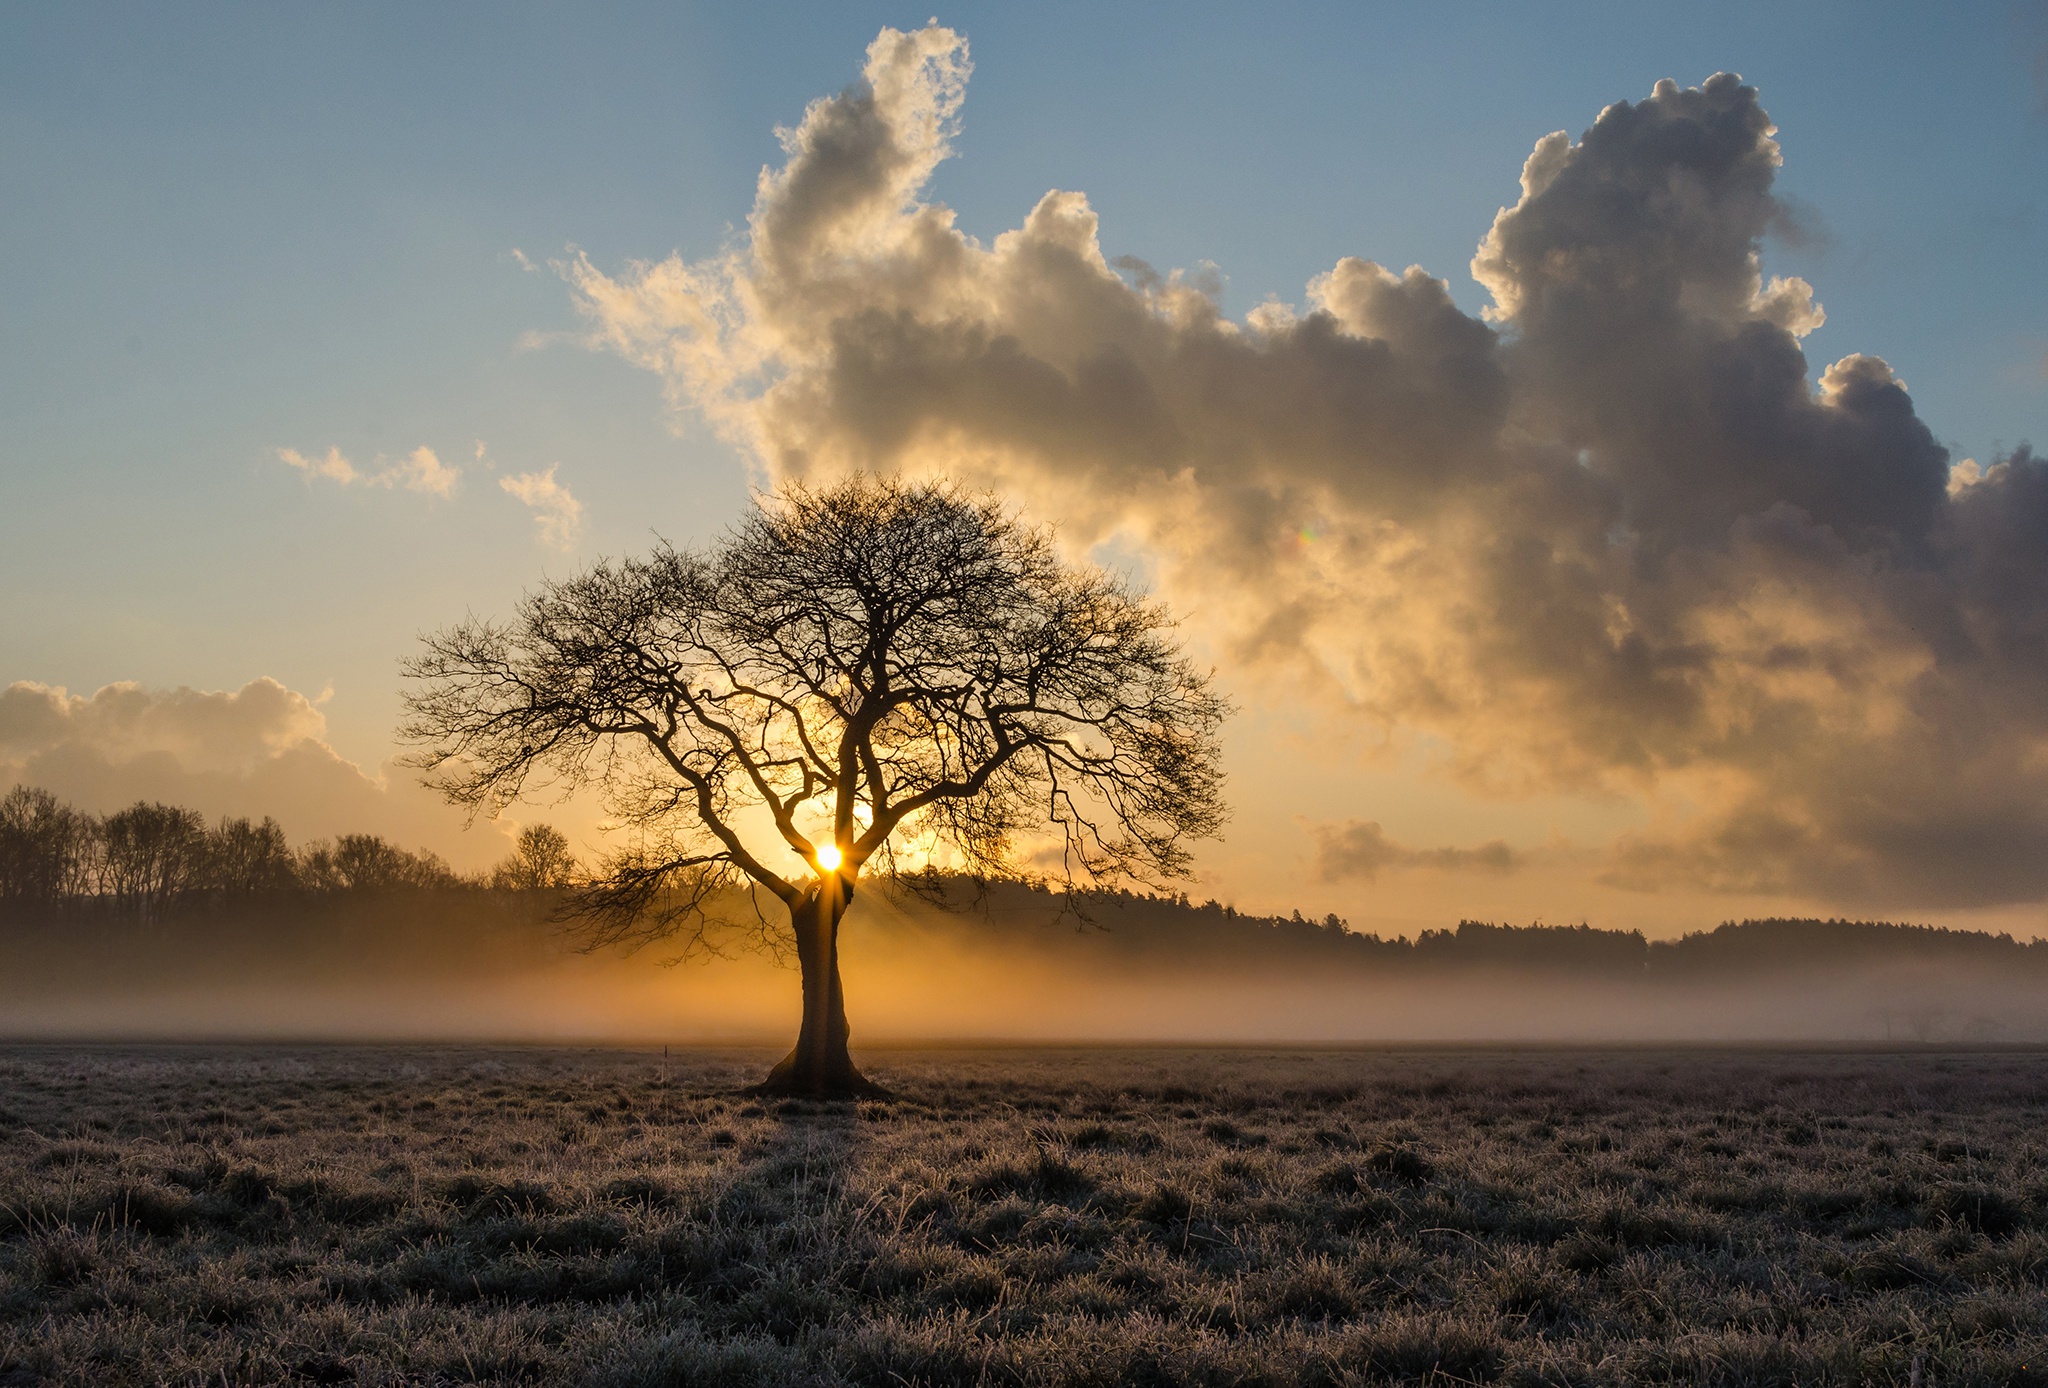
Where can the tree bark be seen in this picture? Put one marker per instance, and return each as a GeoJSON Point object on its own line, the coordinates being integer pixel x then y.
{"type": "Point", "coordinates": [819, 1066]}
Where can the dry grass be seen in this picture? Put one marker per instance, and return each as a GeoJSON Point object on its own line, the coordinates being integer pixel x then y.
{"type": "Point", "coordinates": [375, 1216]}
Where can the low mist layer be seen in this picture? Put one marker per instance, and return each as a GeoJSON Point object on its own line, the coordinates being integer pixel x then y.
{"type": "Point", "coordinates": [471, 963]}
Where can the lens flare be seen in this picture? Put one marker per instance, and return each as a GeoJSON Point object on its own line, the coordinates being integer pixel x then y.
{"type": "Point", "coordinates": [828, 857]}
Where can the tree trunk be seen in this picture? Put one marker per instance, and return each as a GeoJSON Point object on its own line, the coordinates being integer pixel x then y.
{"type": "Point", "coordinates": [819, 1067]}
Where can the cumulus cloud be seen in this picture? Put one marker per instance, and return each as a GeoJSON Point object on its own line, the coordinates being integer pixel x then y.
{"type": "Point", "coordinates": [332, 466]}
{"type": "Point", "coordinates": [223, 730]}
{"type": "Point", "coordinates": [557, 514]}
{"type": "Point", "coordinates": [419, 471]}
{"type": "Point", "coordinates": [1361, 849]}
{"type": "Point", "coordinates": [1616, 533]}
{"type": "Point", "coordinates": [258, 750]}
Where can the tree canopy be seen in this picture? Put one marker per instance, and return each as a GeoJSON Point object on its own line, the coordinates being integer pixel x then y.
{"type": "Point", "coordinates": [872, 671]}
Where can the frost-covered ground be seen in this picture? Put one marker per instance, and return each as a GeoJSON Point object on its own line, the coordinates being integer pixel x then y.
{"type": "Point", "coordinates": [452, 1215]}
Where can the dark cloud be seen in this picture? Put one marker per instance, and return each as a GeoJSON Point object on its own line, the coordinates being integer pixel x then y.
{"type": "Point", "coordinates": [1361, 849]}
{"type": "Point", "coordinates": [1617, 534]}
{"type": "Point", "coordinates": [1798, 225]}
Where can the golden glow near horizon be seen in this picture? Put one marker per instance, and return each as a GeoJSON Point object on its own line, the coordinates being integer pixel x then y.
{"type": "Point", "coordinates": [828, 857]}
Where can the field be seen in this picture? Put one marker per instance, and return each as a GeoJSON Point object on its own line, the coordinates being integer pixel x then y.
{"type": "Point", "coordinates": [470, 1215]}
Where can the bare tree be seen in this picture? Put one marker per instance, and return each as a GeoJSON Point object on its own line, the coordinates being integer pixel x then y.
{"type": "Point", "coordinates": [875, 670]}
{"type": "Point", "coordinates": [540, 861]}
{"type": "Point", "coordinates": [367, 863]}
{"type": "Point", "coordinates": [47, 849]}
{"type": "Point", "coordinates": [151, 854]}
{"type": "Point", "coordinates": [245, 859]}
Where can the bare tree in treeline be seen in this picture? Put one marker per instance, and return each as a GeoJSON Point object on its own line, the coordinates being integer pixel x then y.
{"type": "Point", "coordinates": [364, 862]}
{"type": "Point", "coordinates": [150, 858]}
{"type": "Point", "coordinates": [152, 854]}
{"type": "Point", "coordinates": [245, 859]}
{"type": "Point", "coordinates": [860, 672]}
{"type": "Point", "coordinates": [540, 861]}
{"type": "Point", "coordinates": [46, 847]}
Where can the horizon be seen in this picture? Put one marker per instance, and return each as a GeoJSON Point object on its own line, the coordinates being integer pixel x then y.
{"type": "Point", "coordinates": [422, 869]}
{"type": "Point", "coordinates": [397, 949]}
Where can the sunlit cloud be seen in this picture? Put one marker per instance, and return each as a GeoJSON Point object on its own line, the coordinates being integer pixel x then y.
{"type": "Point", "coordinates": [332, 465]}
{"type": "Point", "coordinates": [258, 750]}
{"type": "Point", "coordinates": [556, 513]}
{"type": "Point", "coordinates": [1614, 535]}
{"type": "Point", "coordinates": [419, 471]}
{"type": "Point", "coordinates": [215, 730]}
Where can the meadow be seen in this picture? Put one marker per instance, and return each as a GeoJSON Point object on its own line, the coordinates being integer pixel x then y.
{"type": "Point", "coordinates": [413, 1214]}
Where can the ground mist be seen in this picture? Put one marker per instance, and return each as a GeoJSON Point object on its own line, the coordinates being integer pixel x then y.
{"type": "Point", "coordinates": [476, 964]}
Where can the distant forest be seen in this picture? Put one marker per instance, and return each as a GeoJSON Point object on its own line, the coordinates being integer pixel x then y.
{"type": "Point", "coordinates": [1138, 925]}
{"type": "Point", "coordinates": [152, 860]}
{"type": "Point", "coordinates": [165, 871]}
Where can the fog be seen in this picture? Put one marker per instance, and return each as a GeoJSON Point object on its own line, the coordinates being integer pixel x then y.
{"type": "Point", "coordinates": [469, 967]}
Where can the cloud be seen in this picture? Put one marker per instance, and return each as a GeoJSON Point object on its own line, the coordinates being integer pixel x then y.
{"type": "Point", "coordinates": [419, 471]}
{"type": "Point", "coordinates": [254, 751]}
{"type": "Point", "coordinates": [226, 731]}
{"type": "Point", "coordinates": [557, 514]}
{"type": "Point", "coordinates": [333, 466]}
{"type": "Point", "coordinates": [1360, 849]}
{"type": "Point", "coordinates": [1616, 534]}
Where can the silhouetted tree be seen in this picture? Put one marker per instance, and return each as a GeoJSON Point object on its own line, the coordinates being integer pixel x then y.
{"type": "Point", "coordinates": [864, 668]}
{"type": "Point", "coordinates": [150, 854]}
{"type": "Point", "coordinates": [245, 859]}
{"type": "Point", "coordinates": [540, 861]}
{"type": "Point", "coordinates": [47, 849]}
{"type": "Point", "coordinates": [366, 863]}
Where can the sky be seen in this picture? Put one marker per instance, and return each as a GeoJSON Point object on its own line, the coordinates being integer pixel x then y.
{"type": "Point", "coordinates": [1606, 579]}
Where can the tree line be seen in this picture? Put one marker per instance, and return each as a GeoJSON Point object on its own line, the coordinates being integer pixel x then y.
{"type": "Point", "coordinates": [151, 860]}
{"type": "Point", "coordinates": [1142, 925]}
{"type": "Point", "coordinates": [152, 857]}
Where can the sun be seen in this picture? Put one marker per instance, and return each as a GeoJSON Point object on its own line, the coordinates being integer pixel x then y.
{"type": "Point", "coordinates": [828, 857]}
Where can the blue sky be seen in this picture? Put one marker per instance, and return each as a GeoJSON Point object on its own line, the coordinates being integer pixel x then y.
{"type": "Point", "coordinates": [231, 230]}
